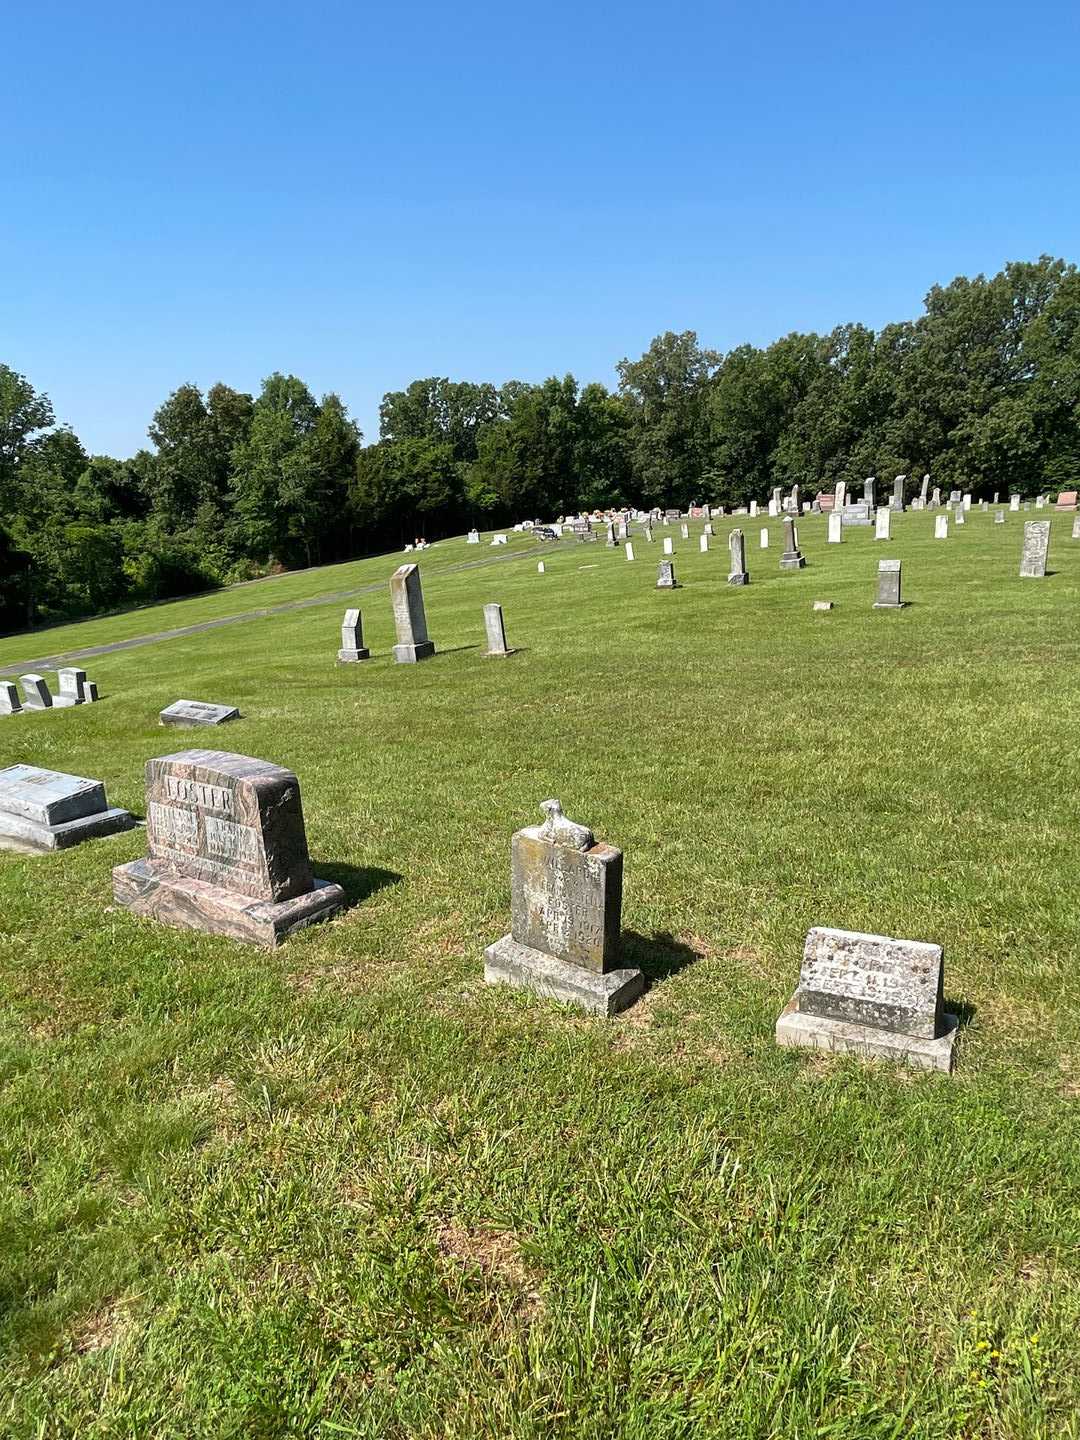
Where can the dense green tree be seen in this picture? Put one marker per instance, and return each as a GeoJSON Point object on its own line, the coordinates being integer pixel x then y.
{"type": "Point", "coordinates": [665, 395]}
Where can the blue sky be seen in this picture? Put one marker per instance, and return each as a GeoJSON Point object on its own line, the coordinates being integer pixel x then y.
{"type": "Point", "coordinates": [364, 195]}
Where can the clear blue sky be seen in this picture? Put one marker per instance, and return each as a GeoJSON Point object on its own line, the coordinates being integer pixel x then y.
{"type": "Point", "coordinates": [367, 194]}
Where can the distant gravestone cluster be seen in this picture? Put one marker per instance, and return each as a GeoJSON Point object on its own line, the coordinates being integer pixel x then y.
{"type": "Point", "coordinates": [73, 688]}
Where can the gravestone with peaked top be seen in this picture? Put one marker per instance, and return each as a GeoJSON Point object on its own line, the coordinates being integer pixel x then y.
{"type": "Point", "coordinates": [495, 630]}
{"type": "Point", "coordinates": [227, 850]}
{"type": "Point", "coordinates": [935, 499]}
{"type": "Point", "coordinates": [792, 558]}
{"type": "Point", "coordinates": [410, 621]}
{"type": "Point", "coordinates": [1036, 547]}
{"type": "Point", "coordinates": [352, 638]}
{"type": "Point", "coordinates": [565, 918]}
{"type": "Point", "coordinates": [871, 995]}
{"type": "Point", "coordinates": [888, 586]}
{"type": "Point", "coordinates": [738, 574]}
{"type": "Point", "coordinates": [46, 810]}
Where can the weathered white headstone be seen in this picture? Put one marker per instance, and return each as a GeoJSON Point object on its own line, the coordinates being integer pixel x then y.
{"type": "Point", "coordinates": [352, 638]}
{"type": "Point", "coordinates": [669, 548]}
{"type": "Point", "coordinates": [10, 704]}
{"type": "Point", "coordinates": [72, 683]}
{"type": "Point", "coordinates": [1036, 548]}
{"type": "Point", "coordinates": [999, 518]}
{"type": "Point", "coordinates": [883, 524]}
{"type": "Point", "coordinates": [967, 500]}
{"type": "Point", "coordinates": [959, 514]}
{"type": "Point", "coordinates": [629, 548]}
{"type": "Point", "coordinates": [540, 567]}
{"type": "Point", "coordinates": [792, 558]}
{"type": "Point", "coordinates": [1014, 502]}
{"type": "Point", "coordinates": [45, 810]}
{"type": "Point", "coordinates": [703, 544]}
{"type": "Point", "coordinates": [871, 995]}
{"type": "Point", "coordinates": [836, 528]}
{"type": "Point", "coordinates": [888, 586]}
{"type": "Point", "coordinates": [496, 632]}
{"type": "Point", "coordinates": [753, 508]}
{"type": "Point", "coordinates": [410, 622]}
{"type": "Point", "coordinates": [665, 575]}
{"type": "Point", "coordinates": [738, 575]}
{"type": "Point", "coordinates": [473, 537]}
{"type": "Point", "coordinates": [941, 527]}
{"type": "Point", "coordinates": [1076, 527]}
{"type": "Point", "coordinates": [197, 712]}
{"type": "Point", "coordinates": [764, 538]}
{"type": "Point", "coordinates": [35, 692]}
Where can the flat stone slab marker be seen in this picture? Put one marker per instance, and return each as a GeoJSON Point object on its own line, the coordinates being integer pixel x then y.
{"type": "Point", "coordinates": [46, 810]}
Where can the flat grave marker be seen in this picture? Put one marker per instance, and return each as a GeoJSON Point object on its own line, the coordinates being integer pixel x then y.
{"type": "Point", "coordinates": [46, 810]}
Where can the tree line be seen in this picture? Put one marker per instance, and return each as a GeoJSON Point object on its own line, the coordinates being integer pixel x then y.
{"type": "Point", "coordinates": [982, 390]}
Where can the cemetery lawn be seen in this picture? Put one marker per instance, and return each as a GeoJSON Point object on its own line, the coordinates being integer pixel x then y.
{"type": "Point", "coordinates": [344, 1189]}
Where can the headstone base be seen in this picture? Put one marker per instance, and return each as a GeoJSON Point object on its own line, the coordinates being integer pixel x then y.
{"type": "Point", "coordinates": [410, 654]}
{"type": "Point", "coordinates": [65, 702]}
{"type": "Point", "coordinates": [792, 562]}
{"type": "Point", "coordinates": [508, 963]}
{"type": "Point", "coordinates": [150, 887]}
{"type": "Point", "coordinates": [347, 657]}
{"type": "Point", "coordinates": [883, 605]}
{"type": "Point", "coordinates": [30, 837]}
{"type": "Point", "coordinates": [740, 577]}
{"type": "Point", "coordinates": [795, 1029]}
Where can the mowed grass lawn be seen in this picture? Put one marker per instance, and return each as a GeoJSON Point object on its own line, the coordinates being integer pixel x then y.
{"type": "Point", "coordinates": [345, 1189]}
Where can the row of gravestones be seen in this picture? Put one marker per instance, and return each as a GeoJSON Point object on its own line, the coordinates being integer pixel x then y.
{"type": "Point", "coordinates": [410, 624]}
{"type": "Point", "coordinates": [73, 689]}
{"type": "Point", "coordinates": [227, 855]}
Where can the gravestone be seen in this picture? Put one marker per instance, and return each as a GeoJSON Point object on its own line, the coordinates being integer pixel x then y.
{"type": "Point", "coordinates": [1036, 547]}
{"type": "Point", "coordinates": [708, 530]}
{"type": "Point", "coordinates": [774, 509]}
{"type": "Point", "coordinates": [665, 575]}
{"type": "Point", "coordinates": [959, 515]}
{"type": "Point", "coordinates": [941, 527]}
{"type": "Point", "coordinates": [1014, 502]}
{"type": "Point", "coordinates": [540, 567]}
{"type": "Point", "coordinates": [184, 713]}
{"type": "Point", "coordinates": [72, 682]}
{"type": "Point", "coordinates": [883, 524]}
{"type": "Point", "coordinates": [629, 550]}
{"type": "Point", "coordinates": [703, 543]}
{"type": "Point", "coordinates": [473, 537]}
{"type": "Point", "coordinates": [935, 499]}
{"type": "Point", "coordinates": [840, 495]}
{"type": "Point", "coordinates": [622, 530]}
{"type": "Point", "coordinates": [968, 497]}
{"type": "Point", "coordinates": [764, 539]}
{"type": "Point", "coordinates": [923, 489]}
{"type": "Point", "coordinates": [738, 574]}
{"type": "Point", "coordinates": [410, 622]}
{"type": "Point", "coordinates": [888, 586]}
{"type": "Point", "coordinates": [685, 532]}
{"type": "Point", "coordinates": [1075, 530]}
{"type": "Point", "coordinates": [565, 908]}
{"type": "Point", "coordinates": [777, 497]}
{"type": "Point", "coordinates": [868, 490]}
{"type": "Point", "coordinates": [871, 995]}
{"type": "Point", "coordinates": [1066, 500]}
{"type": "Point", "coordinates": [836, 528]}
{"type": "Point", "coordinates": [753, 509]}
{"type": "Point", "coordinates": [897, 501]}
{"type": "Point", "coordinates": [999, 518]}
{"type": "Point", "coordinates": [45, 810]}
{"type": "Point", "coordinates": [35, 692]}
{"type": "Point", "coordinates": [1040, 502]}
{"type": "Point", "coordinates": [609, 538]}
{"type": "Point", "coordinates": [792, 558]}
{"type": "Point", "coordinates": [669, 548]}
{"type": "Point", "coordinates": [648, 533]}
{"type": "Point", "coordinates": [227, 850]}
{"type": "Point", "coordinates": [90, 694]}
{"type": "Point", "coordinates": [496, 632]}
{"type": "Point", "coordinates": [352, 638]}
{"type": "Point", "coordinates": [10, 704]}
{"type": "Point", "coordinates": [823, 604]}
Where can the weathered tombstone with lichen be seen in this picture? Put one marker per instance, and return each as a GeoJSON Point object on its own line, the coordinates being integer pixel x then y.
{"type": "Point", "coordinates": [565, 918]}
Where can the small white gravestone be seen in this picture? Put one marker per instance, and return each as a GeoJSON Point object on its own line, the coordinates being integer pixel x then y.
{"type": "Point", "coordinates": [35, 692]}
{"type": "Point", "coordinates": [473, 537]}
{"type": "Point", "coordinates": [959, 515]}
{"type": "Point", "coordinates": [685, 531]}
{"type": "Point", "coordinates": [1036, 547]}
{"type": "Point", "coordinates": [967, 500]}
{"type": "Point", "coordinates": [883, 524]}
{"type": "Point", "coordinates": [1040, 502]}
{"type": "Point", "coordinates": [753, 509]}
{"type": "Point", "coordinates": [72, 682]}
{"type": "Point", "coordinates": [1014, 502]}
{"type": "Point", "coordinates": [836, 528]}
{"type": "Point", "coordinates": [764, 539]}
{"type": "Point", "coordinates": [703, 543]}
{"type": "Point", "coordinates": [10, 703]}
{"type": "Point", "coordinates": [1076, 527]}
{"type": "Point", "coordinates": [496, 633]}
{"type": "Point", "coordinates": [822, 604]}
{"type": "Point", "coordinates": [941, 527]}
{"type": "Point", "coordinates": [774, 509]}
{"type": "Point", "coordinates": [540, 567]}
{"type": "Point", "coordinates": [628, 547]}
{"type": "Point", "coordinates": [499, 540]}
{"type": "Point", "coordinates": [669, 548]}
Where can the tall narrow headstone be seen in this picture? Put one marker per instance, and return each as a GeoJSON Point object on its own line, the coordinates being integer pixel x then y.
{"type": "Point", "coordinates": [871, 995]}
{"type": "Point", "coordinates": [738, 574]}
{"type": "Point", "coordinates": [10, 704]}
{"type": "Point", "coordinates": [46, 810]}
{"type": "Point", "coordinates": [648, 533]}
{"type": "Point", "coordinates": [883, 524]}
{"type": "Point", "coordinates": [941, 527]}
{"type": "Point", "coordinates": [410, 621]}
{"type": "Point", "coordinates": [868, 490]}
{"type": "Point", "coordinates": [897, 501]}
{"type": "Point", "coordinates": [665, 575]}
{"type": "Point", "coordinates": [774, 509]}
{"type": "Point", "coordinates": [959, 515]}
{"type": "Point", "coordinates": [1040, 502]}
{"type": "Point", "coordinates": [888, 586]}
{"type": "Point", "coordinates": [836, 528]}
{"type": "Point", "coordinates": [35, 693]}
{"type": "Point", "coordinates": [609, 539]}
{"type": "Point", "coordinates": [840, 495]}
{"type": "Point", "coordinates": [669, 548]}
{"type": "Point", "coordinates": [935, 499]}
{"type": "Point", "coordinates": [565, 918]}
{"type": "Point", "coordinates": [968, 497]}
{"type": "Point", "coordinates": [703, 543]}
{"type": "Point", "coordinates": [352, 638]}
{"type": "Point", "coordinates": [778, 497]}
{"type": "Point", "coordinates": [227, 850]}
{"type": "Point", "coordinates": [764, 539]}
{"type": "Point", "coordinates": [923, 489]}
{"type": "Point", "coordinates": [496, 632]}
{"type": "Point", "coordinates": [629, 548]}
{"type": "Point", "coordinates": [1076, 527]}
{"type": "Point", "coordinates": [753, 508]}
{"type": "Point", "coordinates": [1036, 548]}
{"type": "Point", "coordinates": [1014, 502]}
{"type": "Point", "coordinates": [685, 532]}
{"type": "Point", "coordinates": [792, 558]}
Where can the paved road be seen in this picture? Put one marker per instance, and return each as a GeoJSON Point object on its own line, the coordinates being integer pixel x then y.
{"type": "Point", "coordinates": [68, 657]}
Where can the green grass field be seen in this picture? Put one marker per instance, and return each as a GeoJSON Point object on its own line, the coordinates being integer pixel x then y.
{"type": "Point", "coordinates": [345, 1189]}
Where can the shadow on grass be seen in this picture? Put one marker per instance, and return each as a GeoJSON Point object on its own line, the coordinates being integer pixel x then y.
{"type": "Point", "coordinates": [456, 649]}
{"type": "Point", "coordinates": [358, 881]}
{"type": "Point", "coordinates": [657, 956]}
{"type": "Point", "coordinates": [963, 1010]}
